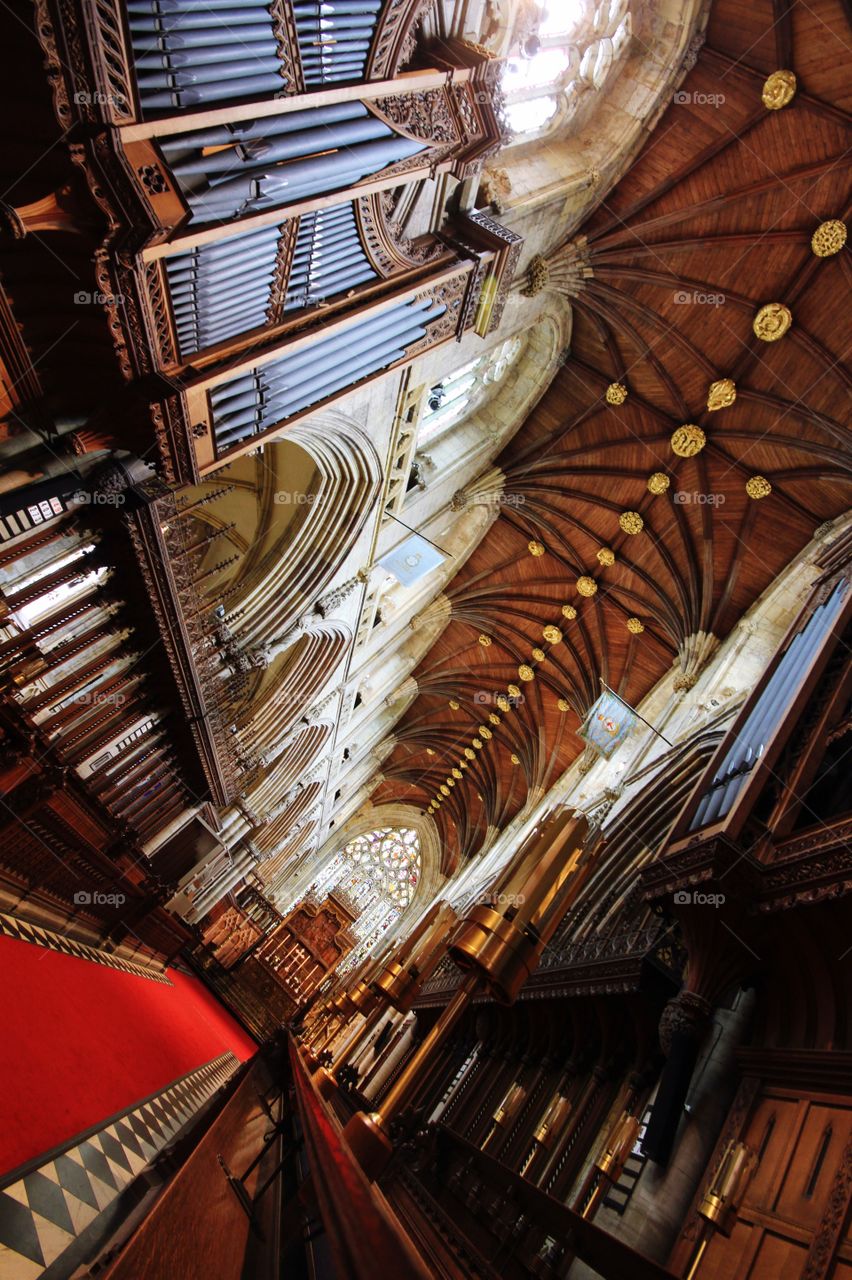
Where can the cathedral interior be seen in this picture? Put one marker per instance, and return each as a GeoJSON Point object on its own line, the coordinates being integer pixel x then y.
{"type": "Point", "coordinates": [425, 617]}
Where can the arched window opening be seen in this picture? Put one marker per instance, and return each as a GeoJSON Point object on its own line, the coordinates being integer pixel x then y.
{"type": "Point", "coordinates": [455, 396]}
{"type": "Point", "coordinates": [379, 871]}
{"type": "Point", "coordinates": [572, 48]}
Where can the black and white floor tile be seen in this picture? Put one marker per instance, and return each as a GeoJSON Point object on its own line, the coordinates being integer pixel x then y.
{"type": "Point", "coordinates": [44, 1209]}
{"type": "Point", "coordinates": [23, 931]}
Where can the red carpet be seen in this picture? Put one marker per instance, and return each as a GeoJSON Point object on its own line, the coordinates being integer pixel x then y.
{"type": "Point", "coordinates": [82, 1041]}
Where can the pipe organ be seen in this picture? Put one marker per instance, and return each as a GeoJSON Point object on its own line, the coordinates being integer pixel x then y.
{"type": "Point", "coordinates": [250, 160]}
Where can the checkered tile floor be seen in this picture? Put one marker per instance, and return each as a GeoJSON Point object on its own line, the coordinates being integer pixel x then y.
{"type": "Point", "coordinates": [43, 1212]}
{"type": "Point", "coordinates": [23, 931]}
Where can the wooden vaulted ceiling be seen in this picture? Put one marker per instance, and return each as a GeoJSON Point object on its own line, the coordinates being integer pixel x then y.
{"type": "Point", "coordinates": [713, 221]}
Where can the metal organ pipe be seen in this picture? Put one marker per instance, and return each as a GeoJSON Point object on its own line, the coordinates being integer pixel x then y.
{"type": "Point", "coordinates": [295, 382]}
{"type": "Point", "coordinates": [282, 160]}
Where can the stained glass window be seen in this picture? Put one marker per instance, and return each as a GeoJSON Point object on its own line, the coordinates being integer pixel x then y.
{"type": "Point", "coordinates": [379, 871]}
{"type": "Point", "coordinates": [390, 857]}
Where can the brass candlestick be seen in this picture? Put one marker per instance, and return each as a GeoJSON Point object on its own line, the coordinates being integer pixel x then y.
{"type": "Point", "coordinates": [608, 1163]}
{"type": "Point", "coordinates": [723, 1197]}
{"type": "Point", "coordinates": [395, 984]}
{"type": "Point", "coordinates": [558, 1111]}
{"type": "Point", "coordinates": [497, 947]}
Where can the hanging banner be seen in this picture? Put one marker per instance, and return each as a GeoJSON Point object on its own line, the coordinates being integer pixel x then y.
{"type": "Point", "coordinates": [608, 723]}
{"type": "Point", "coordinates": [412, 560]}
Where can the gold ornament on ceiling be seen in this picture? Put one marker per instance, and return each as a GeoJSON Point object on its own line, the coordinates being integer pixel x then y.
{"type": "Point", "coordinates": [451, 782]}
{"type": "Point", "coordinates": [688, 440]}
{"type": "Point", "coordinates": [503, 702]}
{"type": "Point", "coordinates": [485, 732]}
{"type": "Point", "coordinates": [658, 482]}
{"type": "Point", "coordinates": [586, 586]}
{"type": "Point", "coordinates": [606, 556]}
{"type": "Point", "coordinates": [485, 641]}
{"type": "Point", "coordinates": [635, 627]}
{"type": "Point", "coordinates": [476, 743]}
{"type": "Point", "coordinates": [772, 322]}
{"type": "Point", "coordinates": [539, 654]}
{"type": "Point", "coordinates": [829, 238]}
{"type": "Point", "coordinates": [463, 764]}
{"type": "Point", "coordinates": [721, 394]}
{"type": "Point", "coordinates": [535, 548]}
{"type": "Point", "coordinates": [515, 759]}
{"type": "Point", "coordinates": [471, 755]}
{"type": "Point", "coordinates": [563, 704]}
{"type": "Point", "coordinates": [569, 612]}
{"type": "Point", "coordinates": [525, 672]}
{"type": "Point", "coordinates": [616, 393]}
{"type": "Point", "coordinates": [779, 89]}
{"type": "Point", "coordinates": [445, 790]}
{"type": "Point", "coordinates": [631, 522]}
{"type": "Point", "coordinates": [758, 487]}
{"type": "Point", "coordinates": [429, 751]}
{"type": "Point", "coordinates": [493, 717]}
{"type": "Point", "coordinates": [454, 706]}
{"type": "Point", "coordinates": [514, 691]}
{"type": "Point", "coordinates": [552, 634]}
{"type": "Point", "coordinates": [457, 773]}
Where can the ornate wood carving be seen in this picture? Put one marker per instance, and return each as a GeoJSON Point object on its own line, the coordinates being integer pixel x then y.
{"type": "Point", "coordinates": [283, 262]}
{"type": "Point", "coordinates": [171, 434]}
{"type": "Point", "coordinates": [424, 116]}
{"type": "Point", "coordinates": [386, 246]}
{"type": "Point", "coordinates": [821, 1254]}
{"type": "Point", "coordinates": [393, 42]}
{"type": "Point", "coordinates": [167, 582]}
{"type": "Point", "coordinates": [284, 30]}
{"type": "Point", "coordinates": [451, 293]}
{"type": "Point", "coordinates": [110, 54]}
